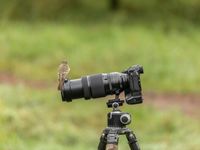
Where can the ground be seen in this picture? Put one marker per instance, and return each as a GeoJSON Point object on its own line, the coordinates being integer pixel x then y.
{"type": "Point", "coordinates": [34, 117]}
{"type": "Point", "coordinates": [187, 103]}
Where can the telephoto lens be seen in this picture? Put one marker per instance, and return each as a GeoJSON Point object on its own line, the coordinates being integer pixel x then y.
{"type": "Point", "coordinates": [94, 86]}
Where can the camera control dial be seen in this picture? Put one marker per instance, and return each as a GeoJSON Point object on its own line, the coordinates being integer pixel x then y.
{"type": "Point", "coordinates": [125, 119]}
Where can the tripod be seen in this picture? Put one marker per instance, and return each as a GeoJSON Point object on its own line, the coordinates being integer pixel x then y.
{"type": "Point", "coordinates": [117, 121]}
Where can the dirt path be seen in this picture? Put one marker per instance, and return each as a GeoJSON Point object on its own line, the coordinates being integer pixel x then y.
{"type": "Point", "coordinates": [188, 103]}
{"type": "Point", "coordinates": [7, 78]}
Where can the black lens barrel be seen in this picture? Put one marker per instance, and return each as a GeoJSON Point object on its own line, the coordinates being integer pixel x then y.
{"type": "Point", "coordinates": [94, 86]}
{"type": "Point", "coordinates": [72, 89]}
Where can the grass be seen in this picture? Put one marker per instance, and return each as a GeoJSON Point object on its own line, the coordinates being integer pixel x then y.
{"type": "Point", "coordinates": [169, 55]}
{"type": "Point", "coordinates": [31, 120]}
{"type": "Point", "coordinates": [34, 118]}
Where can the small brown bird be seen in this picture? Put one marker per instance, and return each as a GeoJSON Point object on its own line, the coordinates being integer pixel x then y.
{"type": "Point", "coordinates": [63, 71]}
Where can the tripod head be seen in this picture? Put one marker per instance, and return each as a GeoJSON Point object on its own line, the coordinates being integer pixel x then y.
{"type": "Point", "coordinates": [115, 103]}
{"type": "Point", "coordinates": [116, 118]}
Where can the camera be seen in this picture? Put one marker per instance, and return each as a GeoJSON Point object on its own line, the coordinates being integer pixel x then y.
{"type": "Point", "coordinates": [101, 85]}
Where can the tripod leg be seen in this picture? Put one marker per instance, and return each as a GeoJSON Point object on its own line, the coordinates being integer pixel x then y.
{"type": "Point", "coordinates": [112, 141]}
{"type": "Point", "coordinates": [111, 147]}
{"type": "Point", "coordinates": [132, 141]}
{"type": "Point", "coordinates": [102, 143]}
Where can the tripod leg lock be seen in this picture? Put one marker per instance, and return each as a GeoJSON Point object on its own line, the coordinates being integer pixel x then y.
{"type": "Point", "coordinates": [132, 141]}
{"type": "Point", "coordinates": [112, 138]}
{"type": "Point", "coordinates": [103, 142]}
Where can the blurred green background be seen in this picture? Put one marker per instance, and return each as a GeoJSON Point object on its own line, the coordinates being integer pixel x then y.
{"type": "Point", "coordinates": [36, 35]}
